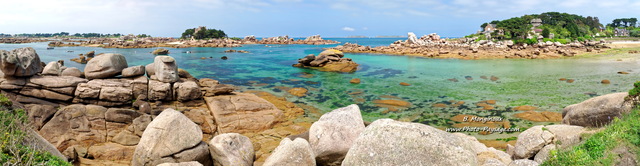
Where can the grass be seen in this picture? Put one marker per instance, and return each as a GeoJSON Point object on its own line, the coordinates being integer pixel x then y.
{"type": "Point", "coordinates": [597, 149]}
{"type": "Point", "coordinates": [12, 150]}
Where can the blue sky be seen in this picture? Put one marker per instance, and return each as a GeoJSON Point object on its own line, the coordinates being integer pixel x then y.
{"type": "Point", "coordinates": [296, 18]}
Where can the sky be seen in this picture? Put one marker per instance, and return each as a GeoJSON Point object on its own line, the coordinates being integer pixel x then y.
{"type": "Point", "coordinates": [296, 18]}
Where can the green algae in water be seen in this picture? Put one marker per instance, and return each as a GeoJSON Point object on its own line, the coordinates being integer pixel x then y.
{"type": "Point", "coordinates": [520, 81]}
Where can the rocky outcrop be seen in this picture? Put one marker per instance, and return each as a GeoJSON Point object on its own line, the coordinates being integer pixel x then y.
{"type": "Point", "coordinates": [160, 51]}
{"type": "Point", "coordinates": [192, 163]}
{"type": "Point", "coordinates": [231, 149]}
{"type": "Point", "coordinates": [21, 62]}
{"type": "Point", "coordinates": [537, 141]}
{"type": "Point", "coordinates": [105, 66]}
{"type": "Point", "coordinates": [243, 112]}
{"type": "Point", "coordinates": [597, 111]}
{"type": "Point", "coordinates": [164, 69]}
{"type": "Point", "coordinates": [328, 60]}
{"type": "Point", "coordinates": [334, 133]}
{"type": "Point", "coordinates": [471, 48]}
{"type": "Point", "coordinates": [531, 141]}
{"type": "Point", "coordinates": [171, 137]}
{"type": "Point", "coordinates": [389, 142]}
{"type": "Point", "coordinates": [53, 68]}
{"type": "Point", "coordinates": [186, 90]}
{"type": "Point", "coordinates": [314, 40]}
{"type": "Point", "coordinates": [292, 153]}
{"type": "Point", "coordinates": [72, 71]}
{"type": "Point", "coordinates": [133, 71]}
{"type": "Point", "coordinates": [76, 125]}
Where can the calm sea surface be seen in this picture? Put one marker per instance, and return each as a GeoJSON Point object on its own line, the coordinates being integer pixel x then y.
{"type": "Point", "coordinates": [268, 68]}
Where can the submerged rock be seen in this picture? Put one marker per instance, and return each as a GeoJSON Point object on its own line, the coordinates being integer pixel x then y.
{"type": "Point", "coordinates": [299, 92]}
{"type": "Point", "coordinates": [355, 81]}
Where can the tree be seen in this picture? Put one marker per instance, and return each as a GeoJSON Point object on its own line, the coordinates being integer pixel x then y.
{"type": "Point", "coordinates": [517, 26]}
{"type": "Point", "coordinates": [484, 25]}
{"type": "Point", "coordinates": [203, 34]}
{"type": "Point", "coordinates": [545, 32]}
{"type": "Point", "coordinates": [188, 33]}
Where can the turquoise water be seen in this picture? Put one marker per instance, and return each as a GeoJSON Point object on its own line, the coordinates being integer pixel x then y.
{"type": "Point", "coordinates": [268, 68]}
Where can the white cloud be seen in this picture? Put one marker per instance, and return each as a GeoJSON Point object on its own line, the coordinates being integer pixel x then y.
{"type": "Point", "coordinates": [341, 6]}
{"type": "Point", "coordinates": [419, 13]}
{"type": "Point", "coordinates": [287, 1]}
{"type": "Point", "coordinates": [348, 29]}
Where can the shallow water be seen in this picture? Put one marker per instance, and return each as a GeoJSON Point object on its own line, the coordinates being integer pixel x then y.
{"type": "Point", "coordinates": [520, 81]}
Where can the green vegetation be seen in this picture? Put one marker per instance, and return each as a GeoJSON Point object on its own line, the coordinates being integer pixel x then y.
{"type": "Point", "coordinates": [561, 25]}
{"type": "Point", "coordinates": [636, 90]}
{"type": "Point", "coordinates": [597, 150]}
{"type": "Point", "coordinates": [623, 23]}
{"type": "Point", "coordinates": [203, 33]}
{"type": "Point", "coordinates": [13, 151]}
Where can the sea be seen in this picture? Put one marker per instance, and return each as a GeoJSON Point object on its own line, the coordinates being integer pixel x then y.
{"type": "Point", "coordinates": [436, 85]}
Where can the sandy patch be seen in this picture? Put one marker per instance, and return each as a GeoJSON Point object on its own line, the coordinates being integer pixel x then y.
{"type": "Point", "coordinates": [624, 44]}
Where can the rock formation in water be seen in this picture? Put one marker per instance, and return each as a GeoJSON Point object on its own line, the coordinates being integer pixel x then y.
{"type": "Point", "coordinates": [120, 116]}
{"type": "Point", "coordinates": [470, 48]}
{"type": "Point", "coordinates": [328, 60]}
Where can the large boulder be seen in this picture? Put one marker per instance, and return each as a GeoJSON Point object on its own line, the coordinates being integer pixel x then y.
{"type": "Point", "coordinates": [171, 137]}
{"type": "Point", "coordinates": [389, 142]}
{"type": "Point", "coordinates": [133, 71]}
{"type": "Point", "coordinates": [597, 111]}
{"type": "Point", "coordinates": [531, 141]}
{"type": "Point", "coordinates": [110, 92]}
{"type": "Point", "coordinates": [72, 71]}
{"type": "Point", "coordinates": [291, 153]}
{"type": "Point", "coordinates": [105, 66]}
{"type": "Point", "coordinates": [52, 68]}
{"type": "Point", "coordinates": [332, 53]}
{"type": "Point", "coordinates": [191, 163]}
{"type": "Point", "coordinates": [166, 69]}
{"type": "Point", "coordinates": [186, 90]}
{"type": "Point", "coordinates": [243, 112]}
{"type": "Point", "coordinates": [231, 149]}
{"type": "Point", "coordinates": [413, 39]}
{"type": "Point", "coordinates": [567, 135]}
{"type": "Point", "coordinates": [160, 51]}
{"type": "Point", "coordinates": [334, 133]}
{"type": "Point", "coordinates": [21, 62]}
{"type": "Point", "coordinates": [159, 91]}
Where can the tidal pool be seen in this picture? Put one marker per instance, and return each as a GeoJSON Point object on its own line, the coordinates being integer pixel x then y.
{"type": "Point", "coordinates": [440, 88]}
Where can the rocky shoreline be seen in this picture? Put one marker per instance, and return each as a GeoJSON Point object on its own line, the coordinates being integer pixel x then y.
{"type": "Point", "coordinates": [151, 42]}
{"type": "Point", "coordinates": [116, 114]}
{"type": "Point", "coordinates": [433, 46]}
